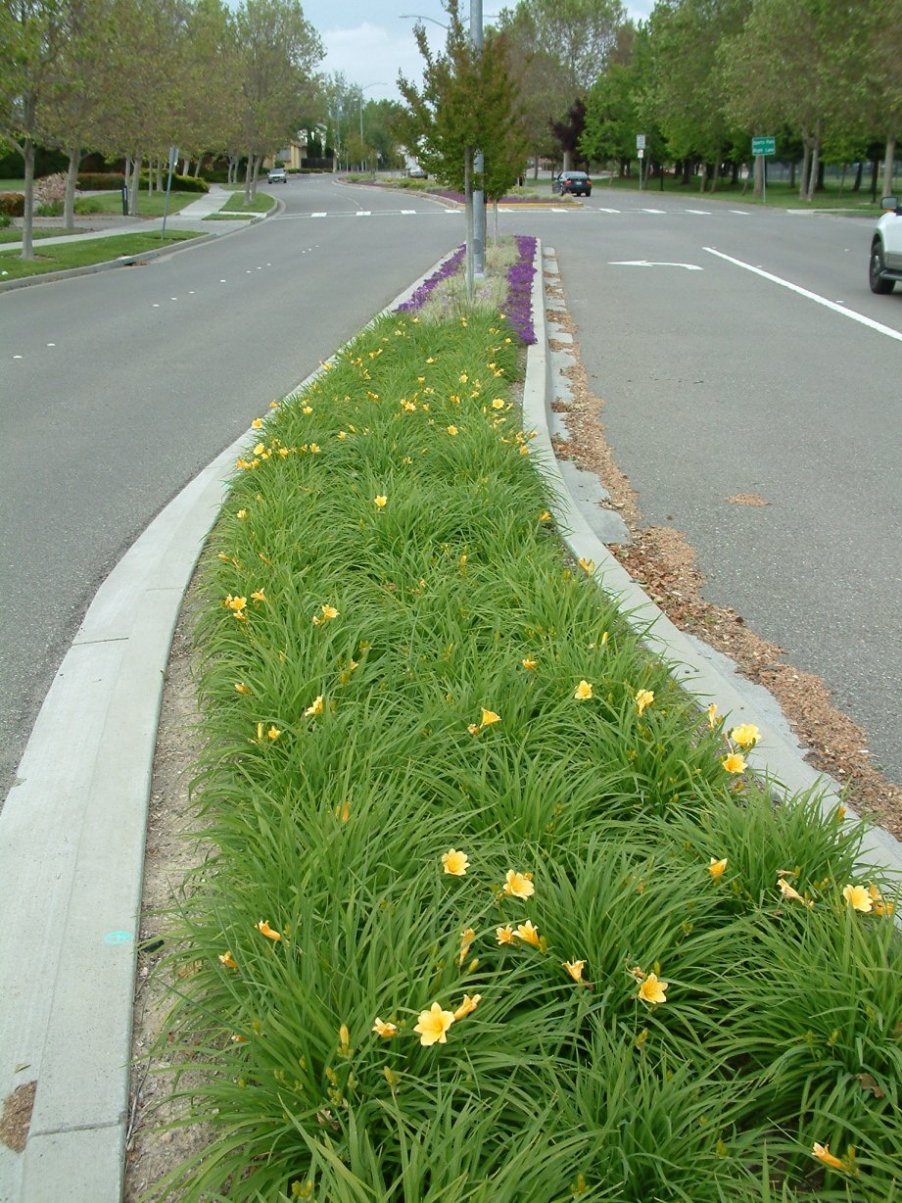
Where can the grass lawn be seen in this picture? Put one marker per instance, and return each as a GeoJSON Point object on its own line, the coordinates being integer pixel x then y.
{"type": "Point", "coordinates": [491, 910]}
{"type": "Point", "coordinates": [261, 203]}
{"type": "Point", "coordinates": [779, 195]}
{"type": "Point", "coordinates": [81, 254]}
{"type": "Point", "coordinates": [14, 234]}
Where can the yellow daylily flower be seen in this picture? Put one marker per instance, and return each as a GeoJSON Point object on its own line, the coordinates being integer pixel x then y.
{"type": "Point", "coordinates": [228, 960]}
{"type": "Point", "coordinates": [858, 898]}
{"type": "Point", "coordinates": [241, 688]}
{"type": "Point", "coordinates": [385, 1030]}
{"type": "Point", "coordinates": [716, 867]}
{"type": "Point", "coordinates": [468, 1006]}
{"type": "Point", "coordinates": [505, 935]}
{"type": "Point", "coordinates": [644, 698]}
{"type": "Point", "coordinates": [454, 862]}
{"type": "Point", "coordinates": [528, 663]}
{"type": "Point", "coordinates": [746, 735]}
{"type": "Point", "coordinates": [652, 990]}
{"type": "Point", "coordinates": [583, 691]}
{"type": "Point", "coordinates": [823, 1154]}
{"type": "Point", "coordinates": [489, 717]}
{"type": "Point", "coordinates": [316, 708]}
{"type": "Point", "coordinates": [734, 763]}
{"type": "Point", "coordinates": [518, 885]}
{"type": "Point", "coordinates": [529, 934]}
{"type": "Point", "coordinates": [270, 932]}
{"type": "Point", "coordinates": [712, 715]}
{"type": "Point", "coordinates": [432, 1025]}
{"type": "Point", "coordinates": [575, 969]}
{"type": "Point", "coordinates": [381, 501]}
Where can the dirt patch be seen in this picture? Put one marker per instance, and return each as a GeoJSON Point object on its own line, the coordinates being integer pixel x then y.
{"type": "Point", "coordinates": [16, 1118]}
{"type": "Point", "coordinates": [664, 564]}
{"type": "Point", "coordinates": [153, 1149]}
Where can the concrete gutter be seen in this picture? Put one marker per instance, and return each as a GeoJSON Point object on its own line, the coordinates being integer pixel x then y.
{"type": "Point", "coordinates": [73, 827]}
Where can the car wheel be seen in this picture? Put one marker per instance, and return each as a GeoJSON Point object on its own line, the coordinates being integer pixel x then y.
{"type": "Point", "coordinates": [875, 270]}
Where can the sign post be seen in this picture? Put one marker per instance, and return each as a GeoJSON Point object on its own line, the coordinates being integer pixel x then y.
{"type": "Point", "coordinates": [640, 151]}
{"type": "Point", "coordinates": [173, 159]}
{"type": "Point", "coordinates": [761, 149]}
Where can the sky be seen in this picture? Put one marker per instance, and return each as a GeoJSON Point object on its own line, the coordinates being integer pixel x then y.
{"type": "Point", "coordinates": [369, 41]}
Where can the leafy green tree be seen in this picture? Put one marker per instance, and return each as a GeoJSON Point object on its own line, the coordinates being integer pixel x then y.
{"type": "Point", "coordinates": [32, 34]}
{"type": "Point", "coordinates": [468, 102]}
{"type": "Point", "coordinates": [611, 121]}
{"type": "Point", "coordinates": [278, 50]}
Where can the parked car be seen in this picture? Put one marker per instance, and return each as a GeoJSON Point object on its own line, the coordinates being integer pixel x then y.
{"type": "Point", "coordinates": [278, 175]}
{"type": "Point", "coordinates": [885, 268]}
{"type": "Point", "coordinates": [573, 183]}
{"type": "Point", "coordinates": [417, 173]}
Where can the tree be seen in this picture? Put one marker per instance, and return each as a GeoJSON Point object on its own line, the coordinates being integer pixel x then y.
{"type": "Point", "coordinates": [562, 46]}
{"type": "Point", "coordinates": [278, 51]}
{"type": "Point", "coordinates": [468, 102]}
{"type": "Point", "coordinates": [32, 34]}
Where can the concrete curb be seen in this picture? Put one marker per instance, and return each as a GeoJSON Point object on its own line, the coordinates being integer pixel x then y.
{"type": "Point", "coordinates": [774, 758]}
{"type": "Point", "coordinates": [73, 827]}
{"type": "Point", "coordinates": [202, 209]}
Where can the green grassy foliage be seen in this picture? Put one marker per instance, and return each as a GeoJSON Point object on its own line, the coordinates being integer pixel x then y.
{"type": "Point", "coordinates": [64, 255]}
{"type": "Point", "coordinates": [393, 644]}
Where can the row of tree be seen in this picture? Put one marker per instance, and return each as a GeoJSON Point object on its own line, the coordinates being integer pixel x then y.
{"type": "Point", "coordinates": [701, 77]}
{"type": "Point", "coordinates": [134, 78]}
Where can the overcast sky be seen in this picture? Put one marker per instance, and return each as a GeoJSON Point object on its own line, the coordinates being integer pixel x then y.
{"type": "Point", "coordinates": [369, 42]}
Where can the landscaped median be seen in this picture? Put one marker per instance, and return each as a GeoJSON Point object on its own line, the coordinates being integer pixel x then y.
{"type": "Point", "coordinates": [494, 910]}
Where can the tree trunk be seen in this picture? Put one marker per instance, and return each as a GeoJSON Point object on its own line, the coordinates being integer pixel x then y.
{"type": "Point", "coordinates": [856, 187]}
{"type": "Point", "coordinates": [759, 175]}
{"type": "Point", "coordinates": [27, 251]}
{"type": "Point", "coordinates": [74, 153]}
{"type": "Point", "coordinates": [792, 175]}
{"type": "Point", "coordinates": [134, 186]}
{"type": "Point", "coordinates": [815, 165]}
{"type": "Point", "coordinates": [806, 163]}
{"type": "Point", "coordinates": [888, 164]}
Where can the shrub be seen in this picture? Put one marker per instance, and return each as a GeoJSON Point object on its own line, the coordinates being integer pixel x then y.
{"type": "Point", "coordinates": [5, 220]}
{"type": "Point", "coordinates": [50, 191]}
{"type": "Point", "coordinates": [89, 204]}
{"type": "Point", "coordinates": [53, 209]}
{"type": "Point", "coordinates": [100, 181]}
{"type": "Point", "coordinates": [183, 183]}
{"type": "Point", "coordinates": [12, 204]}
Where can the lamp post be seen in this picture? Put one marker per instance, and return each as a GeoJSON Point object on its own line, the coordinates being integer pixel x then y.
{"type": "Point", "coordinates": [478, 160]}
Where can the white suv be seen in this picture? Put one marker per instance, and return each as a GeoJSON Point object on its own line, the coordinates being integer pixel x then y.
{"type": "Point", "coordinates": [886, 248]}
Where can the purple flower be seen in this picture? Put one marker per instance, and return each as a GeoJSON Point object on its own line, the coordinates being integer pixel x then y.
{"type": "Point", "coordinates": [519, 289]}
{"type": "Point", "coordinates": [449, 268]}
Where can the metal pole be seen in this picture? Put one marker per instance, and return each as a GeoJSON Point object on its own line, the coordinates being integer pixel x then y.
{"type": "Point", "coordinates": [478, 160]}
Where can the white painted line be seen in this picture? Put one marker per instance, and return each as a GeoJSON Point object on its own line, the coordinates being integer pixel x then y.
{"type": "Point", "coordinates": [319, 214]}
{"type": "Point", "coordinates": [700, 212]}
{"type": "Point", "coordinates": [740, 212]}
{"type": "Point", "coordinates": [600, 210]}
{"type": "Point", "coordinates": [406, 211]}
{"type": "Point", "coordinates": [652, 210]}
{"type": "Point", "coordinates": [690, 267]}
{"type": "Point", "coordinates": [561, 210]}
{"type": "Point", "coordinates": [364, 213]}
{"type": "Point", "coordinates": [17, 357]}
{"type": "Point", "coordinates": [810, 296]}
{"type": "Point", "coordinates": [51, 344]}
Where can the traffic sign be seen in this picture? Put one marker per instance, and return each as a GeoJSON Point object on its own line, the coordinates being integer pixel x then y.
{"type": "Point", "coordinates": [764, 146]}
{"type": "Point", "coordinates": [640, 141]}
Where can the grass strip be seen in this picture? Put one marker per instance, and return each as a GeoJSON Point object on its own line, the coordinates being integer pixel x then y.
{"type": "Point", "coordinates": [262, 202]}
{"type": "Point", "coordinates": [493, 911]}
{"type": "Point", "coordinates": [64, 255]}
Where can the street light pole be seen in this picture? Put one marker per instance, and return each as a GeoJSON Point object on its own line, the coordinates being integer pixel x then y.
{"type": "Point", "coordinates": [478, 159]}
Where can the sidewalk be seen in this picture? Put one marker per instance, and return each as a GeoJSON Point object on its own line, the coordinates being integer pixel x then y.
{"type": "Point", "coordinates": [72, 830]}
{"type": "Point", "coordinates": [192, 217]}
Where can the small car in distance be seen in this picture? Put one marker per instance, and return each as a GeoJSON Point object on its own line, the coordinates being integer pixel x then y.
{"type": "Point", "coordinates": [572, 183]}
{"type": "Point", "coordinates": [885, 265]}
{"type": "Point", "coordinates": [417, 173]}
{"type": "Point", "coordinates": [278, 175]}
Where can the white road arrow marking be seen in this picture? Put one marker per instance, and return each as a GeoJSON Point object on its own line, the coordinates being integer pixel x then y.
{"type": "Point", "coordinates": [690, 267]}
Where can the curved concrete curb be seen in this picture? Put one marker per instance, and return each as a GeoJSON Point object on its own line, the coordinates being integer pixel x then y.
{"type": "Point", "coordinates": [72, 856]}
{"type": "Point", "coordinates": [73, 826]}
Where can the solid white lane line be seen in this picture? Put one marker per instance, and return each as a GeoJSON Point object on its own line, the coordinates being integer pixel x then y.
{"type": "Point", "coordinates": [810, 296]}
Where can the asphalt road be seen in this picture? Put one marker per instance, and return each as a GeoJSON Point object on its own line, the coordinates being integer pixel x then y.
{"type": "Point", "coordinates": [717, 381]}
{"type": "Point", "coordinates": [116, 388]}
{"type": "Point", "coordinates": [720, 381]}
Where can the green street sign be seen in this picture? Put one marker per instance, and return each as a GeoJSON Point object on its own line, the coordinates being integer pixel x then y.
{"type": "Point", "coordinates": [764, 146]}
